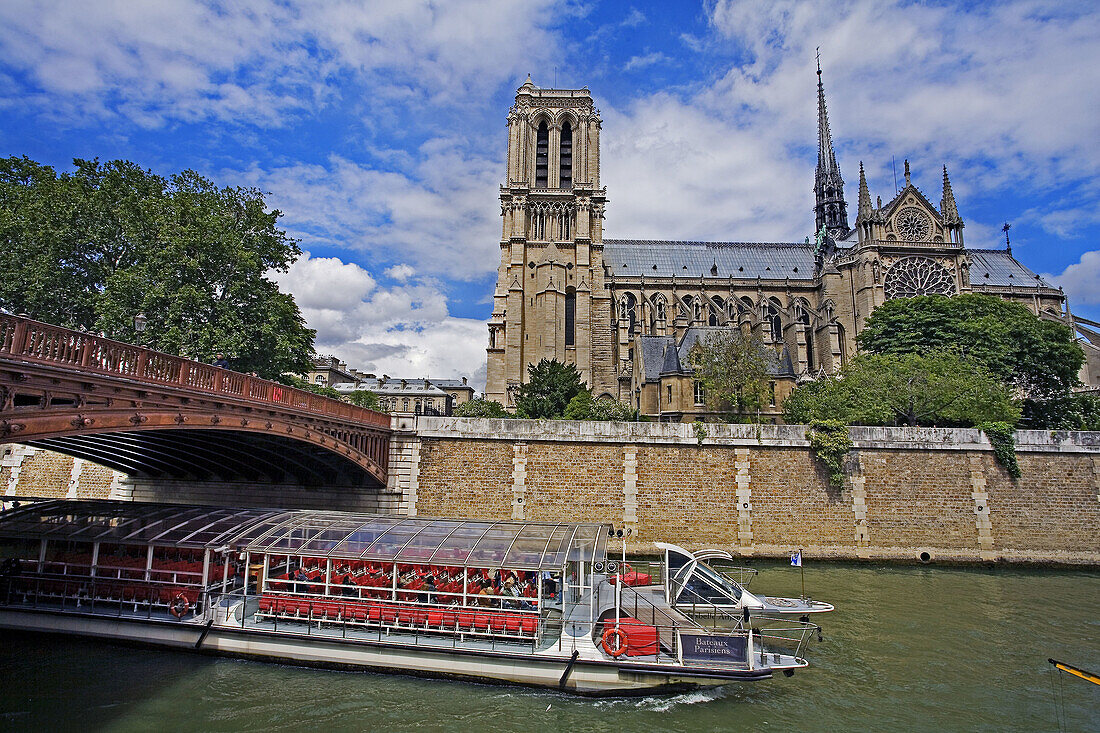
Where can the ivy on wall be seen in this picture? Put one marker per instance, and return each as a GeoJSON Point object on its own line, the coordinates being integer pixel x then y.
{"type": "Point", "coordinates": [1003, 438]}
{"type": "Point", "coordinates": [830, 442]}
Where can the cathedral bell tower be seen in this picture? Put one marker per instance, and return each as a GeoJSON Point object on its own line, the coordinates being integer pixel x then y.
{"type": "Point", "coordinates": [829, 206]}
{"type": "Point", "coordinates": [550, 283]}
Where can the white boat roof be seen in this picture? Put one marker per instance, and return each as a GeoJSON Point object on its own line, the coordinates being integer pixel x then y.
{"type": "Point", "coordinates": [316, 533]}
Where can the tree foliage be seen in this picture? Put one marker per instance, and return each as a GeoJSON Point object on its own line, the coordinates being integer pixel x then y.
{"type": "Point", "coordinates": [938, 388]}
{"type": "Point", "coordinates": [321, 389]}
{"type": "Point", "coordinates": [1066, 412]}
{"type": "Point", "coordinates": [363, 398]}
{"type": "Point", "coordinates": [481, 407]}
{"type": "Point", "coordinates": [1039, 358]}
{"type": "Point", "coordinates": [92, 248]}
{"type": "Point", "coordinates": [733, 371]}
{"type": "Point", "coordinates": [830, 442]}
{"type": "Point", "coordinates": [550, 386]}
{"type": "Point", "coordinates": [584, 407]}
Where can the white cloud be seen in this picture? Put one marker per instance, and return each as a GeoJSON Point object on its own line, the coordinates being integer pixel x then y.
{"type": "Point", "coordinates": [634, 18]}
{"type": "Point", "coordinates": [401, 273]}
{"type": "Point", "coordinates": [155, 62]}
{"type": "Point", "coordinates": [1081, 280]}
{"type": "Point", "coordinates": [645, 60]}
{"type": "Point", "coordinates": [403, 331]}
{"type": "Point", "coordinates": [439, 216]}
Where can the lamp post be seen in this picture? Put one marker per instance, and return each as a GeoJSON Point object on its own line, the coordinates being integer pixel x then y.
{"type": "Point", "coordinates": [139, 327]}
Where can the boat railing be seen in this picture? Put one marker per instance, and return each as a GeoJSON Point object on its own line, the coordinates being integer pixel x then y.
{"type": "Point", "coordinates": [738, 574]}
{"type": "Point", "coordinates": [110, 596]}
{"type": "Point", "coordinates": [393, 621]}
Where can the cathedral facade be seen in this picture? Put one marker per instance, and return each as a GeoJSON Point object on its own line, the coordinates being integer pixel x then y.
{"type": "Point", "coordinates": [627, 312]}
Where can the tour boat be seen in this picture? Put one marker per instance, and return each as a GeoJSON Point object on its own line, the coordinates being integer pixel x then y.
{"type": "Point", "coordinates": [531, 603]}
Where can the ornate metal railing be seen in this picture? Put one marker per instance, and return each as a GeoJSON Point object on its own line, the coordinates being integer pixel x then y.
{"type": "Point", "coordinates": [41, 343]}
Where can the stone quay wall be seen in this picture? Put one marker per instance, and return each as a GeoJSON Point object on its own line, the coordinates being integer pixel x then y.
{"type": "Point", "coordinates": [910, 494]}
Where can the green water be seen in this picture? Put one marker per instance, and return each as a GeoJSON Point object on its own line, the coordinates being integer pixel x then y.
{"type": "Point", "coordinates": [908, 649]}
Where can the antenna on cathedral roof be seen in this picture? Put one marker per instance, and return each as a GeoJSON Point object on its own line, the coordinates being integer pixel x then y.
{"type": "Point", "coordinates": [894, 168]}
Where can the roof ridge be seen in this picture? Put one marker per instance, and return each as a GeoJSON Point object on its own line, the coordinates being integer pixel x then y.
{"type": "Point", "coordinates": [706, 243]}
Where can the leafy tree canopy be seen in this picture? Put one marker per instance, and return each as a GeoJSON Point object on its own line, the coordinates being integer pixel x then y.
{"type": "Point", "coordinates": [1037, 357]}
{"type": "Point", "coordinates": [92, 248]}
{"type": "Point", "coordinates": [550, 386]}
{"type": "Point", "coordinates": [733, 370]}
{"type": "Point", "coordinates": [939, 388]}
{"type": "Point", "coordinates": [363, 398]}
{"type": "Point", "coordinates": [296, 381]}
{"type": "Point", "coordinates": [584, 407]}
{"type": "Point", "coordinates": [481, 407]}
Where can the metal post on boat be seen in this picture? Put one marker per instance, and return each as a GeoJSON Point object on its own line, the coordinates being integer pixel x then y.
{"type": "Point", "coordinates": [42, 554]}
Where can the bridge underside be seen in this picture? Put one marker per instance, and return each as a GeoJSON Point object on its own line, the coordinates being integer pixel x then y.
{"type": "Point", "coordinates": [213, 455]}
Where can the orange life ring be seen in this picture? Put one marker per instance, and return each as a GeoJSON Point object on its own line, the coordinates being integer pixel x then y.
{"type": "Point", "coordinates": [614, 631]}
{"type": "Point", "coordinates": [180, 606]}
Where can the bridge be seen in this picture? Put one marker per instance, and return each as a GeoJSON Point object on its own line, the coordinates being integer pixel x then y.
{"type": "Point", "coordinates": [158, 417]}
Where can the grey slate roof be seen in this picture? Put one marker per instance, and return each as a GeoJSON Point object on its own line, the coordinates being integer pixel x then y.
{"type": "Point", "coordinates": [662, 355]}
{"type": "Point", "coordinates": [999, 267]}
{"type": "Point", "coordinates": [770, 261]}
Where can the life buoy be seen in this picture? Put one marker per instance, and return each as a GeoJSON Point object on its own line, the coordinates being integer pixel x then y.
{"type": "Point", "coordinates": [611, 633]}
{"type": "Point", "coordinates": [180, 606]}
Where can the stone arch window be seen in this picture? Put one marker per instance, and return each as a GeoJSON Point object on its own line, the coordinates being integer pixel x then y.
{"type": "Point", "coordinates": [769, 312]}
{"type": "Point", "coordinates": [565, 157]}
{"type": "Point", "coordinates": [913, 276]}
{"type": "Point", "coordinates": [628, 310]}
{"type": "Point", "coordinates": [319, 379]}
{"type": "Point", "coordinates": [570, 316]}
{"type": "Point", "coordinates": [802, 315]}
{"type": "Point", "coordinates": [565, 226]}
{"type": "Point", "coordinates": [542, 156]}
{"type": "Point", "coordinates": [685, 307]}
{"type": "Point", "coordinates": [538, 225]}
{"type": "Point", "coordinates": [717, 308]}
{"type": "Point", "coordinates": [660, 307]}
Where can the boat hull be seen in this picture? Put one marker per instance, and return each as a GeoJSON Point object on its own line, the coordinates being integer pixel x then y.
{"type": "Point", "coordinates": [586, 677]}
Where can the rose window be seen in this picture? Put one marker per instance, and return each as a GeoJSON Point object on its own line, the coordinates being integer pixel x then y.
{"type": "Point", "coordinates": [913, 224]}
{"type": "Point", "coordinates": [913, 276]}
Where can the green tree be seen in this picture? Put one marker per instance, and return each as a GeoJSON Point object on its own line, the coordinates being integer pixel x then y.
{"type": "Point", "coordinates": [733, 371]}
{"type": "Point", "coordinates": [584, 407]}
{"type": "Point", "coordinates": [1037, 357]}
{"type": "Point", "coordinates": [481, 407]}
{"type": "Point", "coordinates": [92, 248]}
{"type": "Point", "coordinates": [363, 398]}
{"type": "Point", "coordinates": [939, 388]}
{"type": "Point", "coordinates": [550, 386]}
{"type": "Point", "coordinates": [298, 382]}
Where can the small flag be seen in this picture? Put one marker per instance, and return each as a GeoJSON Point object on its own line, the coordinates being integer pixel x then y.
{"type": "Point", "coordinates": [796, 559]}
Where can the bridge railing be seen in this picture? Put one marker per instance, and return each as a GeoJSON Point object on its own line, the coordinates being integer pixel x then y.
{"type": "Point", "coordinates": [42, 343]}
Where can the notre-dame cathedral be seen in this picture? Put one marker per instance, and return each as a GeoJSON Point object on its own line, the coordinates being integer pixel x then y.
{"type": "Point", "coordinates": [627, 312]}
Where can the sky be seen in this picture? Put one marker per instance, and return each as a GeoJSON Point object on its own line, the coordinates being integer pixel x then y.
{"type": "Point", "coordinates": [378, 128]}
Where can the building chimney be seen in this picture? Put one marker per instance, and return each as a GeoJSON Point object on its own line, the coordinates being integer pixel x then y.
{"type": "Point", "coordinates": [464, 380]}
{"type": "Point", "coordinates": [404, 383]}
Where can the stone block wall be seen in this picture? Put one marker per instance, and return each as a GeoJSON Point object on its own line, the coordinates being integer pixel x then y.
{"type": "Point", "coordinates": [936, 493]}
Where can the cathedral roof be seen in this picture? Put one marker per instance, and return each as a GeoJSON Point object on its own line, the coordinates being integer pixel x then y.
{"type": "Point", "coordinates": [661, 355]}
{"type": "Point", "coordinates": [660, 258]}
{"type": "Point", "coordinates": [998, 267]}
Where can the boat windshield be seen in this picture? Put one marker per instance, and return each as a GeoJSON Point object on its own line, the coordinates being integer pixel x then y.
{"type": "Point", "coordinates": [707, 585]}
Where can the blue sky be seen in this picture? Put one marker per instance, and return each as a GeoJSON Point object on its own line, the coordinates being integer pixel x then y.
{"type": "Point", "coordinates": [378, 128]}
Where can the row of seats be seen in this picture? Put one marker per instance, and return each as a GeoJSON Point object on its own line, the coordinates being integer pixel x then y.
{"type": "Point", "coordinates": [107, 591]}
{"type": "Point", "coordinates": [503, 623]}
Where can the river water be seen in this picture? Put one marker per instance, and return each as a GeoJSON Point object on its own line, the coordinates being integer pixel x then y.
{"type": "Point", "coordinates": [908, 649]}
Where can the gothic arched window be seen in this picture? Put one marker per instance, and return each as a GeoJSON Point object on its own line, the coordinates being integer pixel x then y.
{"type": "Point", "coordinates": [628, 310]}
{"type": "Point", "coordinates": [696, 310]}
{"type": "Point", "coordinates": [659, 306]}
{"type": "Point", "coordinates": [913, 276]}
{"type": "Point", "coordinates": [565, 157]}
{"type": "Point", "coordinates": [770, 314]}
{"type": "Point", "coordinates": [542, 156]}
{"type": "Point", "coordinates": [717, 308]}
{"type": "Point", "coordinates": [802, 315]}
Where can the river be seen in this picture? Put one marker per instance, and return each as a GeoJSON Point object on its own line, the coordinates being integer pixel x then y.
{"type": "Point", "coordinates": [908, 649]}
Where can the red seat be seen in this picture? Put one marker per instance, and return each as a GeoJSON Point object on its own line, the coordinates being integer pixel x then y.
{"type": "Point", "coordinates": [513, 624]}
{"type": "Point", "coordinates": [529, 625]}
{"type": "Point", "coordinates": [465, 619]}
{"type": "Point", "coordinates": [481, 621]}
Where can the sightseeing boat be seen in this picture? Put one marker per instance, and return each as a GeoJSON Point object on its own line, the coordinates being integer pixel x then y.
{"type": "Point", "coordinates": [533, 603]}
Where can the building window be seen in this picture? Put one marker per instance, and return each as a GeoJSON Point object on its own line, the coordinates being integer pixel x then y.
{"type": "Point", "coordinates": [700, 393]}
{"type": "Point", "coordinates": [771, 389]}
{"type": "Point", "coordinates": [669, 400]}
{"type": "Point", "coordinates": [538, 226]}
{"type": "Point", "coordinates": [319, 379]}
{"type": "Point", "coordinates": [696, 310]}
{"type": "Point", "coordinates": [406, 403]}
{"type": "Point", "coordinates": [542, 156]}
{"type": "Point", "coordinates": [660, 302]}
{"type": "Point", "coordinates": [565, 153]}
{"type": "Point", "coordinates": [564, 223]}
{"type": "Point", "coordinates": [570, 317]}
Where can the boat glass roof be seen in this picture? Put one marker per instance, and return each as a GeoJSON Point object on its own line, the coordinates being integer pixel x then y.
{"type": "Point", "coordinates": [421, 540]}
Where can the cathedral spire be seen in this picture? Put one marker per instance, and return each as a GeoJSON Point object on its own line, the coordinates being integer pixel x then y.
{"type": "Point", "coordinates": [830, 208]}
{"type": "Point", "coordinates": [948, 208]}
{"type": "Point", "coordinates": [864, 196]}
